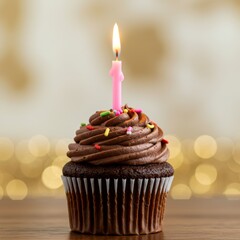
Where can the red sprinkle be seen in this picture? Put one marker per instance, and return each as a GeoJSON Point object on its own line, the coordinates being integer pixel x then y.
{"type": "Point", "coordinates": [89, 127]}
{"type": "Point", "coordinates": [97, 146]}
{"type": "Point", "coordinates": [165, 141]}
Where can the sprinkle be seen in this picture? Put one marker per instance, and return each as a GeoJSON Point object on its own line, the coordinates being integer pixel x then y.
{"type": "Point", "coordinates": [150, 126]}
{"type": "Point", "coordinates": [103, 114]}
{"type": "Point", "coordinates": [97, 146]}
{"type": "Point", "coordinates": [106, 132]}
{"type": "Point", "coordinates": [165, 141]}
{"type": "Point", "coordinates": [129, 130]}
{"type": "Point", "coordinates": [138, 110]}
{"type": "Point", "coordinates": [83, 124]}
{"type": "Point", "coordinates": [125, 111]}
{"type": "Point", "coordinates": [89, 127]}
{"type": "Point", "coordinates": [117, 113]}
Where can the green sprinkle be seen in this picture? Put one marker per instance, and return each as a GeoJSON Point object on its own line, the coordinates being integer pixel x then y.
{"type": "Point", "coordinates": [103, 114]}
{"type": "Point", "coordinates": [83, 124]}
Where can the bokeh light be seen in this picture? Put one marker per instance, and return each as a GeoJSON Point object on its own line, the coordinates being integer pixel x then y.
{"type": "Point", "coordinates": [6, 149]}
{"type": "Point", "coordinates": [177, 161]}
{"type": "Point", "coordinates": [16, 190]}
{"type": "Point", "coordinates": [181, 191]}
{"type": "Point", "coordinates": [197, 187]}
{"type": "Point", "coordinates": [22, 152]}
{"type": "Point", "coordinates": [232, 190]}
{"type": "Point", "coordinates": [51, 177]}
{"type": "Point", "coordinates": [174, 145]}
{"type": "Point", "coordinates": [206, 174]}
{"type": "Point", "coordinates": [60, 161]}
{"type": "Point", "coordinates": [205, 146]}
{"type": "Point", "coordinates": [188, 151]}
{"type": "Point", "coordinates": [39, 145]}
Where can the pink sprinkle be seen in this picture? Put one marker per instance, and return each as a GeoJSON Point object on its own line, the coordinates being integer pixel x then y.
{"type": "Point", "coordinates": [117, 113]}
{"type": "Point", "coordinates": [138, 110]}
{"type": "Point", "coordinates": [129, 129]}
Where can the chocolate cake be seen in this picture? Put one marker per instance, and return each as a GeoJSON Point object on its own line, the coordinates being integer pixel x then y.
{"type": "Point", "coordinates": [153, 170]}
{"type": "Point", "coordinates": [118, 178]}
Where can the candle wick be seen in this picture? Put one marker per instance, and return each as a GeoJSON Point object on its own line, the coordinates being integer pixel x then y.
{"type": "Point", "coordinates": [116, 54]}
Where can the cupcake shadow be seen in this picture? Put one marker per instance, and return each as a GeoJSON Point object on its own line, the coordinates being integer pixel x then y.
{"type": "Point", "coordinates": [153, 236]}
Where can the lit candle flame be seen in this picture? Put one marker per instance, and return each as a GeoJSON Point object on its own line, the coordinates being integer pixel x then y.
{"type": "Point", "coordinates": [116, 41]}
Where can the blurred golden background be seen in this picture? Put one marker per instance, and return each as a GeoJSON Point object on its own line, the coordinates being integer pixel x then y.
{"type": "Point", "coordinates": [181, 66]}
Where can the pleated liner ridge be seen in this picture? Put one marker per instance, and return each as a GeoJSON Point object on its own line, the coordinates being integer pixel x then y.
{"type": "Point", "coordinates": [116, 206]}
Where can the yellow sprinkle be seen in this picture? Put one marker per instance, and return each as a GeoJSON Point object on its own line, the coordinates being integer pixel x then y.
{"type": "Point", "coordinates": [125, 110]}
{"type": "Point", "coordinates": [150, 126]}
{"type": "Point", "coordinates": [107, 132]}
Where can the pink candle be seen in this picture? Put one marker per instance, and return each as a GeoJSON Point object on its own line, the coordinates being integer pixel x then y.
{"type": "Point", "coordinates": [116, 72]}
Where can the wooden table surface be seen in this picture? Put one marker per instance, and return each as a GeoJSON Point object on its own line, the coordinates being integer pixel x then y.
{"type": "Point", "coordinates": [184, 219]}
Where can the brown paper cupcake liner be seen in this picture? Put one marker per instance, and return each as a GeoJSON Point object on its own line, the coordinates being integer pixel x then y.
{"type": "Point", "coordinates": [116, 206]}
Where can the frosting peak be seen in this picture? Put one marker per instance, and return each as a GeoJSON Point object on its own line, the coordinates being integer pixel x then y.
{"type": "Point", "coordinates": [125, 137]}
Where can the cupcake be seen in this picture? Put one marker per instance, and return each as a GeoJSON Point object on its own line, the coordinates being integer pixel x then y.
{"type": "Point", "coordinates": [118, 179]}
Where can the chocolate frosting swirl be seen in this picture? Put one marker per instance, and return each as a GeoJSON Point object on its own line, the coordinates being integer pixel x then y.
{"type": "Point", "coordinates": [143, 145]}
